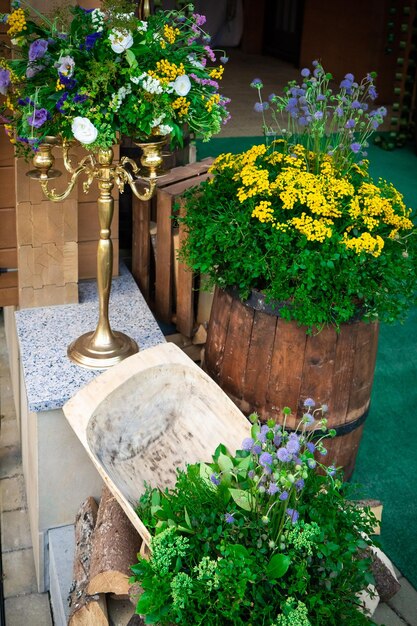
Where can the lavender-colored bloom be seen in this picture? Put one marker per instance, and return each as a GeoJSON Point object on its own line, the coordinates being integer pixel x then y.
{"type": "Point", "coordinates": [355, 147]}
{"type": "Point", "coordinates": [309, 402]}
{"type": "Point", "coordinates": [215, 479]}
{"type": "Point", "coordinates": [199, 19]}
{"type": "Point", "coordinates": [37, 49]}
{"type": "Point", "coordinates": [38, 118]}
{"type": "Point", "coordinates": [339, 111]}
{"type": "Point", "coordinates": [265, 459]}
{"type": "Point", "coordinates": [251, 474]}
{"type": "Point", "coordinates": [261, 106]}
{"type": "Point", "coordinates": [210, 53]}
{"type": "Point", "coordinates": [257, 449]}
{"type": "Point", "coordinates": [90, 40]}
{"type": "Point", "coordinates": [320, 97]}
{"type": "Point", "coordinates": [346, 84]}
{"type": "Point", "coordinates": [273, 489]}
{"type": "Point", "coordinates": [305, 72]}
{"type": "Point", "coordinates": [4, 81]}
{"type": "Point", "coordinates": [382, 111]}
{"type": "Point", "coordinates": [311, 463]}
{"type": "Point", "coordinates": [224, 59]}
{"type": "Point", "coordinates": [356, 104]}
{"type": "Point", "coordinates": [318, 115]}
{"type": "Point", "coordinates": [79, 98]}
{"type": "Point", "coordinates": [284, 496]}
{"type": "Point", "coordinates": [24, 101]}
{"type": "Point", "coordinates": [262, 433]}
{"type": "Point", "coordinates": [350, 77]}
{"type": "Point", "coordinates": [375, 124]}
{"type": "Point", "coordinates": [257, 83]}
{"type": "Point", "coordinates": [293, 444]}
{"type": "Point", "coordinates": [293, 515]}
{"type": "Point", "coordinates": [283, 455]}
{"type": "Point", "coordinates": [229, 518]}
{"type": "Point", "coordinates": [372, 93]}
{"type": "Point", "coordinates": [299, 484]}
{"type": "Point", "coordinates": [311, 447]}
{"type": "Point", "coordinates": [65, 66]}
{"type": "Point", "coordinates": [272, 97]}
{"type": "Point", "coordinates": [247, 443]}
{"type": "Point", "coordinates": [32, 70]}
{"type": "Point", "coordinates": [350, 123]}
{"type": "Point", "coordinates": [61, 101]}
{"type": "Point", "coordinates": [308, 419]}
{"type": "Point", "coordinates": [331, 470]}
{"type": "Point", "coordinates": [277, 440]}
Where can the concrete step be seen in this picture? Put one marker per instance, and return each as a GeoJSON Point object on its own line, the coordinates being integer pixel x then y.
{"type": "Point", "coordinates": [61, 557]}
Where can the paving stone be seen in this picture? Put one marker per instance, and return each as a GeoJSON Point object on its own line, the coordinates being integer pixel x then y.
{"type": "Point", "coordinates": [15, 530]}
{"type": "Point", "coordinates": [30, 609]}
{"type": "Point", "coordinates": [386, 616]}
{"type": "Point", "coordinates": [405, 603]}
{"type": "Point", "coordinates": [9, 433]}
{"type": "Point", "coordinates": [19, 575]}
{"type": "Point", "coordinates": [12, 492]}
{"type": "Point", "coordinates": [10, 461]}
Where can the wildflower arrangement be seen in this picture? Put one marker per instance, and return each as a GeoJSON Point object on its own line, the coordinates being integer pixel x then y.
{"type": "Point", "coordinates": [94, 75]}
{"type": "Point", "coordinates": [258, 537]}
{"type": "Point", "coordinates": [300, 218]}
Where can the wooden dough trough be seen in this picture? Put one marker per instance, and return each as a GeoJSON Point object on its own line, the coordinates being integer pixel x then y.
{"type": "Point", "coordinates": [148, 415]}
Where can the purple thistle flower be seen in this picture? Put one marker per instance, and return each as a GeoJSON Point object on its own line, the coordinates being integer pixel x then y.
{"type": "Point", "coordinates": [247, 443]}
{"type": "Point", "coordinates": [310, 447]}
{"type": "Point", "coordinates": [4, 81]}
{"type": "Point", "coordinates": [356, 104]}
{"type": "Point", "coordinates": [320, 97]}
{"type": "Point", "coordinates": [299, 484]}
{"type": "Point", "coordinates": [256, 449]}
{"type": "Point", "coordinates": [372, 93]}
{"type": "Point", "coordinates": [283, 455]}
{"type": "Point", "coordinates": [293, 444]}
{"type": "Point", "coordinates": [318, 115]}
{"type": "Point", "coordinates": [284, 496]}
{"type": "Point", "coordinates": [257, 83]}
{"type": "Point", "coordinates": [350, 77]}
{"type": "Point", "coordinates": [308, 419]}
{"type": "Point", "coordinates": [346, 84]}
{"type": "Point", "coordinates": [229, 518]}
{"type": "Point", "coordinates": [277, 440]}
{"type": "Point", "coordinates": [350, 123]}
{"type": "Point", "coordinates": [38, 118]}
{"type": "Point", "coordinates": [272, 97]}
{"type": "Point", "coordinates": [37, 49]}
{"type": "Point", "coordinates": [273, 489]}
{"type": "Point", "coordinates": [265, 459]}
{"type": "Point", "coordinates": [305, 72]}
{"type": "Point", "coordinates": [311, 463]}
{"type": "Point", "coordinates": [258, 107]}
{"type": "Point", "coordinates": [215, 479]}
{"type": "Point", "coordinates": [262, 433]}
{"type": "Point", "coordinates": [309, 402]}
{"type": "Point", "coordinates": [331, 470]}
{"type": "Point", "coordinates": [355, 147]}
{"type": "Point", "coordinates": [293, 515]}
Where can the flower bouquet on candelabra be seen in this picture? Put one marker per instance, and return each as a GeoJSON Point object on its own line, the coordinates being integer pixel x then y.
{"type": "Point", "coordinates": [94, 75]}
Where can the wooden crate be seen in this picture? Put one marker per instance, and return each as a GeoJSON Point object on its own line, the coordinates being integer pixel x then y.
{"type": "Point", "coordinates": [167, 284]}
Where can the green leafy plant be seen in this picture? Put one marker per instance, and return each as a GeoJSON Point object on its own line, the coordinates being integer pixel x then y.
{"type": "Point", "coordinates": [96, 74]}
{"type": "Point", "coordinates": [259, 537]}
{"type": "Point", "coordinates": [300, 218]}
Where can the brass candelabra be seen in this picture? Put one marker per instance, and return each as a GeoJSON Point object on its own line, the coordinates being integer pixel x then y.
{"type": "Point", "coordinates": [102, 347]}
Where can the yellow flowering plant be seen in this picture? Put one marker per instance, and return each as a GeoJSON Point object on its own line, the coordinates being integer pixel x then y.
{"type": "Point", "coordinates": [300, 218]}
{"type": "Point", "coordinates": [97, 74]}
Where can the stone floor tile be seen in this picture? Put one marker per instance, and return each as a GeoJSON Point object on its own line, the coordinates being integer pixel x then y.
{"type": "Point", "coordinates": [30, 609]}
{"type": "Point", "coordinates": [15, 530]}
{"type": "Point", "coordinates": [19, 575]}
{"type": "Point", "coordinates": [405, 603]}
{"type": "Point", "coordinates": [9, 433]}
{"type": "Point", "coordinates": [12, 493]}
{"type": "Point", "coordinates": [386, 616]}
{"type": "Point", "coordinates": [10, 461]}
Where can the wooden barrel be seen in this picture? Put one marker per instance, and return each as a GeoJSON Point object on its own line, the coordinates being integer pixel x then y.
{"type": "Point", "coordinates": [264, 363]}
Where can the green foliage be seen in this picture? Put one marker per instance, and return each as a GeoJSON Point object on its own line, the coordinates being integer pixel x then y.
{"type": "Point", "coordinates": [256, 538]}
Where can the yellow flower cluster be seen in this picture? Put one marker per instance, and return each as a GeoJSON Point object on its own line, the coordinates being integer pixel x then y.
{"type": "Point", "coordinates": [314, 230]}
{"type": "Point", "coordinates": [264, 211]}
{"type": "Point", "coordinates": [364, 243]}
{"type": "Point", "coordinates": [59, 86]}
{"type": "Point", "coordinates": [17, 22]}
{"type": "Point", "coordinates": [217, 73]}
{"type": "Point", "coordinates": [255, 181]}
{"type": "Point", "coordinates": [181, 105]}
{"type": "Point", "coordinates": [171, 33]}
{"type": "Point", "coordinates": [167, 72]}
{"type": "Point", "coordinates": [212, 101]}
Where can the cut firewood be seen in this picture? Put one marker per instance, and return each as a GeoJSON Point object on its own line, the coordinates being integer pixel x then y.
{"type": "Point", "coordinates": [85, 610]}
{"type": "Point", "coordinates": [136, 620]}
{"type": "Point", "coordinates": [115, 545]}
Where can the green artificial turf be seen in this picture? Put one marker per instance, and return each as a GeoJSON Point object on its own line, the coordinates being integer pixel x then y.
{"type": "Point", "coordinates": [386, 465]}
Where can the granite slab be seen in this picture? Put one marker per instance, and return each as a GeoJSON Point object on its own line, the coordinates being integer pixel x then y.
{"type": "Point", "coordinates": [44, 334]}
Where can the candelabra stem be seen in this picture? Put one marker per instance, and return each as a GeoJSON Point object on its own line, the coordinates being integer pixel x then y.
{"type": "Point", "coordinates": [103, 347]}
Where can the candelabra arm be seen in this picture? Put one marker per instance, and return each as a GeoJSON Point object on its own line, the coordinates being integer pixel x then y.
{"type": "Point", "coordinates": [146, 195]}
{"type": "Point", "coordinates": [87, 160]}
{"type": "Point", "coordinates": [52, 195]}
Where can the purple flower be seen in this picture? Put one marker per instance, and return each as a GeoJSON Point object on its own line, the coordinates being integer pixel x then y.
{"type": "Point", "coordinates": [283, 455]}
{"type": "Point", "coordinates": [339, 111]}
{"type": "Point", "coordinates": [229, 518]}
{"type": "Point", "coordinates": [310, 447]}
{"type": "Point", "coordinates": [257, 83]}
{"type": "Point", "coordinates": [32, 70]}
{"type": "Point", "coordinates": [251, 474]}
{"type": "Point", "coordinates": [331, 470]}
{"type": "Point", "coordinates": [38, 118]}
{"type": "Point", "coordinates": [261, 106]}
{"type": "Point", "coordinates": [199, 19]}
{"type": "Point", "coordinates": [262, 433]}
{"type": "Point", "coordinates": [90, 40]}
{"type": "Point", "coordinates": [372, 93]}
{"type": "Point", "coordinates": [309, 402]}
{"type": "Point", "coordinates": [265, 459]}
{"type": "Point", "coordinates": [277, 440]}
{"type": "Point", "coordinates": [247, 443]}
{"type": "Point", "coordinates": [320, 97]}
{"type": "Point", "coordinates": [323, 451]}
{"type": "Point", "coordinates": [37, 49]}
{"type": "Point", "coordinates": [272, 489]}
{"type": "Point", "coordinates": [346, 84]}
{"type": "Point", "coordinates": [299, 484]}
{"type": "Point", "coordinates": [67, 81]}
{"type": "Point", "coordinates": [79, 98]}
{"type": "Point", "coordinates": [4, 81]}
{"type": "Point", "coordinates": [257, 449]}
{"type": "Point", "coordinates": [272, 97]}
{"type": "Point", "coordinates": [311, 463]}
{"type": "Point", "coordinates": [210, 53]}
{"type": "Point", "coordinates": [305, 72]}
{"type": "Point", "coordinates": [308, 419]}
{"type": "Point", "coordinates": [356, 104]}
{"type": "Point", "coordinates": [86, 10]}
{"type": "Point", "coordinates": [318, 115]}
{"type": "Point", "coordinates": [350, 77]}
{"type": "Point", "coordinates": [284, 496]}
{"type": "Point", "coordinates": [224, 59]}
{"type": "Point", "coordinates": [350, 123]}
{"type": "Point", "coordinates": [355, 147]}
{"type": "Point", "coordinates": [215, 479]}
{"type": "Point", "coordinates": [293, 444]}
{"type": "Point", "coordinates": [293, 515]}
{"type": "Point", "coordinates": [61, 101]}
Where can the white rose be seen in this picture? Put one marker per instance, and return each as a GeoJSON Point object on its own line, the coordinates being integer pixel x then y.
{"type": "Point", "coordinates": [84, 130]}
{"type": "Point", "coordinates": [120, 41]}
{"type": "Point", "coordinates": [182, 85]}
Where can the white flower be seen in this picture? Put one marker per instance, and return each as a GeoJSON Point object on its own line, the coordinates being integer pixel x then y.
{"type": "Point", "coordinates": [194, 61]}
{"type": "Point", "coordinates": [84, 130]}
{"type": "Point", "coordinates": [182, 85]}
{"type": "Point", "coordinates": [165, 129]}
{"type": "Point", "coordinates": [120, 41]}
{"type": "Point", "coordinates": [157, 120]}
{"type": "Point", "coordinates": [65, 66]}
{"type": "Point", "coordinates": [97, 17]}
{"type": "Point", "coordinates": [142, 27]}
{"type": "Point", "coordinates": [152, 85]}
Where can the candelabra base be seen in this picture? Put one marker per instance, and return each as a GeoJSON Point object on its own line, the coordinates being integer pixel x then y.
{"type": "Point", "coordinates": [86, 353]}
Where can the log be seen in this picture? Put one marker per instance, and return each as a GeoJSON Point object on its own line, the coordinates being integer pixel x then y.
{"type": "Point", "coordinates": [115, 545]}
{"type": "Point", "coordinates": [85, 610]}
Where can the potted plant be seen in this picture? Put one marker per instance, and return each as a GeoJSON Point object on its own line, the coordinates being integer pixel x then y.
{"type": "Point", "coordinates": [308, 253]}
{"type": "Point", "coordinates": [94, 75]}
{"type": "Point", "coordinates": [257, 537]}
